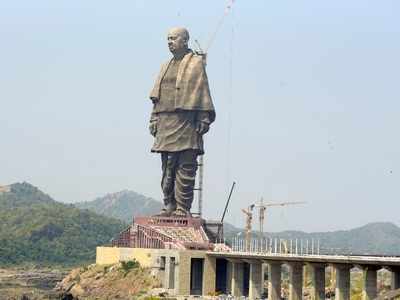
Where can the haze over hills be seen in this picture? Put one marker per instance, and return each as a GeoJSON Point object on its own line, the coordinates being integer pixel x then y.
{"type": "Point", "coordinates": [122, 205]}
{"type": "Point", "coordinates": [373, 238]}
{"type": "Point", "coordinates": [35, 228]}
{"type": "Point", "coordinates": [380, 238]}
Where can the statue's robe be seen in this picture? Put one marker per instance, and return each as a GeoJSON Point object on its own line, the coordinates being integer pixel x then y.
{"type": "Point", "coordinates": [181, 98]}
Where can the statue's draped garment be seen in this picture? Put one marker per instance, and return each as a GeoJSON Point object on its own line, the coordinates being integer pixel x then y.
{"type": "Point", "coordinates": [181, 98]}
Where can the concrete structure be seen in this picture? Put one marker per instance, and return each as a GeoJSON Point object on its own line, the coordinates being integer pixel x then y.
{"type": "Point", "coordinates": [198, 272]}
{"type": "Point", "coordinates": [274, 280]}
{"type": "Point", "coordinates": [159, 232]}
{"type": "Point", "coordinates": [295, 281]}
{"type": "Point", "coordinates": [237, 287]}
{"type": "Point", "coordinates": [317, 281]}
{"type": "Point", "coordinates": [256, 280]}
{"type": "Point", "coordinates": [370, 282]}
{"type": "Point", "coordinates": [342, 291]}
{"type": "Point", "coordinates": [174, 268]}
{"type": "Point", "coordinates": [395, 277]}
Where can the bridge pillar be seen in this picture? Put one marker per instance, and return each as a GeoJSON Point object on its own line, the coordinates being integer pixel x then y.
{"type": "Point", "coordinates": [369, 287]}
{"type": "Point", "coordinates": [229, 268]}
{"type": "Point", "coordinates": [342, 291]}
{"type": "Point", "coordinates": [237, 279]}
{"type": "Point", "coordinates": [209, 275]}
{"type": "Point", "coordinates": [395, 284]}
{"type": "Point", "coordinates": [167, 276]}
{"type": "Point", "coordinates": [295, 280]}
{"type": "Point", "coordinates": [256, 280]}
{"type": "Point", "coordinates": [317, 281]}
{"type": "Point", "coordinates": [274, 280]}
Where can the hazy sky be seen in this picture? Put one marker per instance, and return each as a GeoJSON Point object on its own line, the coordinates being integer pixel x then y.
{"type": "Point", "coordinates": [314, 111]}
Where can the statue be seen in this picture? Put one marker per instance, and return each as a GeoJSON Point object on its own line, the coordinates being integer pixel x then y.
{"type": "Point", "coordinates": [182, 114]}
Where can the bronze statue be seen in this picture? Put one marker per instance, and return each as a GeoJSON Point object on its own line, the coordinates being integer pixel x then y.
{"type": "Point", "coordinates": [182, 113]}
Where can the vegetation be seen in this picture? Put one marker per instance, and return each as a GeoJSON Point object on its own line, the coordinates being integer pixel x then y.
{"type": "Point", "coordinates": [119, 281]}
{"type": "Point", "coordinates": [129, 265]}
{"type": "Point", "coordinates": [36, 229]}
{"type": "Point", "coordinates": [373, 238]}
{"type": "Point", "coordinates": [122, 205]}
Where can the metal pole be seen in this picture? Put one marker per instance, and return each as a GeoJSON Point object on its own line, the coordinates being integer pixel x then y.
{"type": "Point", "coordinates": [312, 246]}
{"type": "Point", "coordinates": [227, 202]}
{"type": "Point", "coordinates": [201, 170]}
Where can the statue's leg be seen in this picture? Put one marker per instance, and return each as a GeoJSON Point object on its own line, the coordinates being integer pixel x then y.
{"type": "Point", "coordinates": [184, 181]}
{"type": "Point", "coordinates": [169, 164]}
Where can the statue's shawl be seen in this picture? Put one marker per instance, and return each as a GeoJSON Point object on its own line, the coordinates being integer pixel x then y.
{"type": "Point", "coordinates": [192, 89]}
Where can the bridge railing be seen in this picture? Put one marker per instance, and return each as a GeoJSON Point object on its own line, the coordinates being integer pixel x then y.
{"type": "Point", "coordinates": [275, 246]}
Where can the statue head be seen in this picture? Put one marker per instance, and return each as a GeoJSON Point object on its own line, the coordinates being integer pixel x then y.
{"type": "Point", "coordinates": [178, 39]}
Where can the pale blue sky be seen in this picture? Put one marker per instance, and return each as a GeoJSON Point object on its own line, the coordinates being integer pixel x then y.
{"type": "Point", "coordinates": [314, 113]}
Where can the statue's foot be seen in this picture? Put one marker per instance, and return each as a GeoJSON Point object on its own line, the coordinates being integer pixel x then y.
{"type": "Point", "coordinates": [180, 212]}
{"type": "Point", "coordinates": [170, 207]}
{"type": "Point", "coordinates": [164, 213]}
{"type": "Point", "coordinates": [168, 210]}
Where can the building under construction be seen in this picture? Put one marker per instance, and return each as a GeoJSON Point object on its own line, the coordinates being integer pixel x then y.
{"type": "Point", "coordinates": [170, 233]}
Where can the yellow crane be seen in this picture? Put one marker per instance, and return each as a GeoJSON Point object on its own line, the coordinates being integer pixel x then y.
{"type": "Point", "coordinates": [263, 207]}
{"type": "Point", "coordinates": [249, 218]}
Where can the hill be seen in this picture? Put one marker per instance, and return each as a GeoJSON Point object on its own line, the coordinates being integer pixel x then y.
{"type": "Point", "coordinates": [122, 205]}
{"type": "Point", "coordinates": [35, 228]}
{"type": "Point", "coordinates": [374, 238]}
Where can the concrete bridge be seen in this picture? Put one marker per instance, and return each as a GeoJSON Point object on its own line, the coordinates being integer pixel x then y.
{"type": "Point", "coordinates": [178, 250]}
{"type": "Point", "coordinates": [240, 273]}
{"type": "Point", "coordinates": [249, 266]}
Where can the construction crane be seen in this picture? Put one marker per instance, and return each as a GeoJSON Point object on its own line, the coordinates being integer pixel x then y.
{"type": "Point", "coordinates": [249, 219]}
{"type": "Point", "coordinates": [263, 207]}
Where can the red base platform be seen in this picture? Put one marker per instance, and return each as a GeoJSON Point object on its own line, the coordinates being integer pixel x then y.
{"type": "Point", "coordinates": [170, 233]}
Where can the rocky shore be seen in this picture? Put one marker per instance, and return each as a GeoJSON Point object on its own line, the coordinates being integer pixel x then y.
{"type": "Point", "coordinates": [30, 284]}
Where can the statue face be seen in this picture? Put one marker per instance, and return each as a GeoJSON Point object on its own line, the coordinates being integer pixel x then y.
{"type": "Point", "coordinates": [177, 41]}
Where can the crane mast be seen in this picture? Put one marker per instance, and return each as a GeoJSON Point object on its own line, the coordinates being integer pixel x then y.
{"type": "Point", "coordinates": [263, 207]}
{"type": "Point", "coordinates": [249, 217]}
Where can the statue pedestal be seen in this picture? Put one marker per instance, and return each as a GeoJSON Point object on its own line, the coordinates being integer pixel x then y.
{"type": "Point", "coordinates": [159, 232]}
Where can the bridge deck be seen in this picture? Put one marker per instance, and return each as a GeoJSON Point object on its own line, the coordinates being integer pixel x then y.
{"type": "Point", "coordinates": [384, 261]}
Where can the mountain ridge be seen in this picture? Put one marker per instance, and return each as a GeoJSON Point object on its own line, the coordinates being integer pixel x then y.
{"type": "Point", "coordinates": [122, 205]}
{"type": "Point", "coordinates": [372, 238]}
{"type": "Point", "coordinates": [37, 229]}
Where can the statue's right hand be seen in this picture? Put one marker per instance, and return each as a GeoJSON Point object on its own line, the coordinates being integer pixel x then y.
{"type": "Point", "coordinates": [153, 128]}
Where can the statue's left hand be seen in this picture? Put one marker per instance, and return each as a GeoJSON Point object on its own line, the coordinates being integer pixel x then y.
{"type": "Point", "coordinates": [153, 128]}
{"type": "Point", "coordinates": [202, 127]}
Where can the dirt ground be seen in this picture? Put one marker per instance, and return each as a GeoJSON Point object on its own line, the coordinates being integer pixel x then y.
{"type": "Point", "coordinates": [33, 283]}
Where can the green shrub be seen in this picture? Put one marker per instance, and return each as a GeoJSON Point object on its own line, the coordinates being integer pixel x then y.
{"type": "Point", "coordinates": [129, 265]}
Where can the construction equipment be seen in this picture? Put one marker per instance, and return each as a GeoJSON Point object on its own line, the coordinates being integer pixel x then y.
{"type": "Point", "coordinates": [227, 202]}
{"type": "Point", "coordinates": [249, 218]}
{"type": "Point", "coordinates": [263, 207]}
{"type": "Point", "coordinates": [221, 234]}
